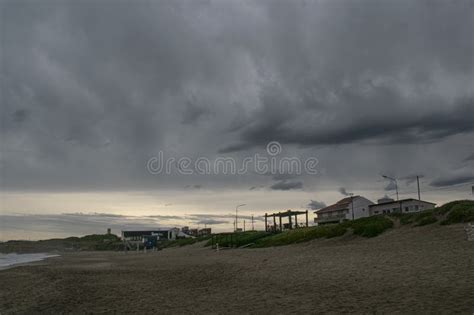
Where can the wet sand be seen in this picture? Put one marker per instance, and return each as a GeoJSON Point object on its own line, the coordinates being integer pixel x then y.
{"type": "Point", "coordinates": [426, 269]}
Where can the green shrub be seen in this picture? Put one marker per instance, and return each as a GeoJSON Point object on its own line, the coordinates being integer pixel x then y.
{"type": "Point", "coordinates": [460, 213]}
{"type": "Point", "coordinates": [426, 220]}
{"type": "Point", "coordinates": [424, 217]}
{"type": "Point", "coordinates": [406, 218]}
{"type": "Point", "coordinates": [447, 207]}
{"type": "Point", "coordinates": [99, 238]}
{"type": "Point", "coordinates": [237, 239]}
{"type": "Point", "coordinates": [370, 226]}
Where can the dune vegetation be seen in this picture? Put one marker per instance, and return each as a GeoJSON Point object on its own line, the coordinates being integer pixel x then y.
{"type": "Point", "coordinates": [453, 212]}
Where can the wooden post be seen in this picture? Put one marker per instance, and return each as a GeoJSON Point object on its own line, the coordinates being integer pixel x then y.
{"type": "Point", "coordinates": [289, 218]}
{"type": "Point", "coordinates": [279, 215]}
{"type": "Point", "coordinates": [296, 220]}
{"type": "Point", "coordinates": [274, 223]}
{"type": "Point", "coordinates": [306, 218]}
{"type": "Point", "coordinates": [266, 228]}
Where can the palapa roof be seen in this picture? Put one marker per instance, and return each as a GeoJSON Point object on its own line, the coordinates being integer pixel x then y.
{"type": "Point", "coordinates": [286, 213]}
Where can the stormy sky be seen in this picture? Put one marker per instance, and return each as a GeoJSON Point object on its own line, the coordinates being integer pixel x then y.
{"type": "Point", "coordinates": [91, 90]}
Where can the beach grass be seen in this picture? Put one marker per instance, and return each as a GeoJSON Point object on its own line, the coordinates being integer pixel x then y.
{"type": "Point", "coordinates": [301, 235]}
{"type": "Point", "coordinates": [239, 239]}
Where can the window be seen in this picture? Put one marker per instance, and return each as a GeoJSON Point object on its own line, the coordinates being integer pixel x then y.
{"type": "Point", "coordinates": [406, 209]}
{"type": "Point", "coordinates": [376, 212]}
{"type": "Point", "coordinates": [416, 207]}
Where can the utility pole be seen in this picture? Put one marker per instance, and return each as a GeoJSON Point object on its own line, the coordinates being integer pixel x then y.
{"type": "Point", "coordinates": [236, 216]}
{"type": "Point", "coordinates": [244, 225]}
{"type": "Point", "coordinates": [418, 183]}
{"type": "Point", "coordinates": [253, 229]}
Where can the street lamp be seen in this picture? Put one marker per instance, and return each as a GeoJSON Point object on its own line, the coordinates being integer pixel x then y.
{"type": "Point", "coordinates": [393, 179]}
{"type": "Point", "coordinates": [236, 217]}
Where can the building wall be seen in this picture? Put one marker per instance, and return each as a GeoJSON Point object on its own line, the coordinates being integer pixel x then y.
{"type": "Point", "coordinates": [407, 207]}
{"type": "Point", "coordinates": [361, 208]}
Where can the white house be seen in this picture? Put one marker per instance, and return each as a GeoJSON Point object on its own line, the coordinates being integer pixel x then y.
{"type": "Point", "coordinates": [349, 208]}
{"type": "Point", "coordinates": [387, 205]}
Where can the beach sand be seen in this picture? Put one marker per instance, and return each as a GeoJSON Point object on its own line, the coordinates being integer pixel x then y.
{"type": "Point", "coordinates": [426, 269]}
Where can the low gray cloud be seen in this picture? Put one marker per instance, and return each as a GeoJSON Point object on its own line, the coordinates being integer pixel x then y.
{"type": "Point", "coordinates": [315, 205]}
{"type": "Point", "coordinates": [391, 185]}
{"type": "Point", "coordinates": [410, 179]}
{"type": "Point", "coordinates": [193, 112]}
{"type": "Point", "coordinates": [40, 226]}
{"type": "Point", "coordinates": [211, 222]}
{"type": "Point", "coordinates": [287, 185]}
{"type": "Point", "coordinates": [208, 216]}
{"type": "Point", "coordinates": [284, 176]}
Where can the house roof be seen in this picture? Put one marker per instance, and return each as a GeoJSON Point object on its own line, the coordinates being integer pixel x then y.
{"type": "Point", "coordinates": [398, 202]}
{"type": "Point", "coordinates": [342, 204]}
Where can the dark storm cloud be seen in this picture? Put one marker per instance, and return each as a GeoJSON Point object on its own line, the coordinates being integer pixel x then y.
{"type": "Point", "coordinates": [469, 158]}
{"type": "Point", "coordinates": [343, 191]}
{"type": "Point", "coordinates": [451, 180]}
{"type": "Point", "coordinates": [90, 91]}
{"type": "Point", "coordinates": [287, 185]}
{"type": "Point", "coordinates": [315, 205]}
{"type": "Point", "coordinates": [407, 128]}
{"type": "Point", "coordinates": [20, 115]}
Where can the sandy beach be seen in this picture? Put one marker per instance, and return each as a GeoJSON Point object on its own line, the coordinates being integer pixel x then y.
{"type": "Point", "coordinates": [426, 269]}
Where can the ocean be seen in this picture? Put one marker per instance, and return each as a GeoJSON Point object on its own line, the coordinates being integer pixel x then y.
{"type": "Point", "coordinates": [12, 259]}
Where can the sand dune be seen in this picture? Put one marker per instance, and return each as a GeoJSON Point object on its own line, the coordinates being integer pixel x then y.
{"type": "Point", "coordinates": [426, 269]}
